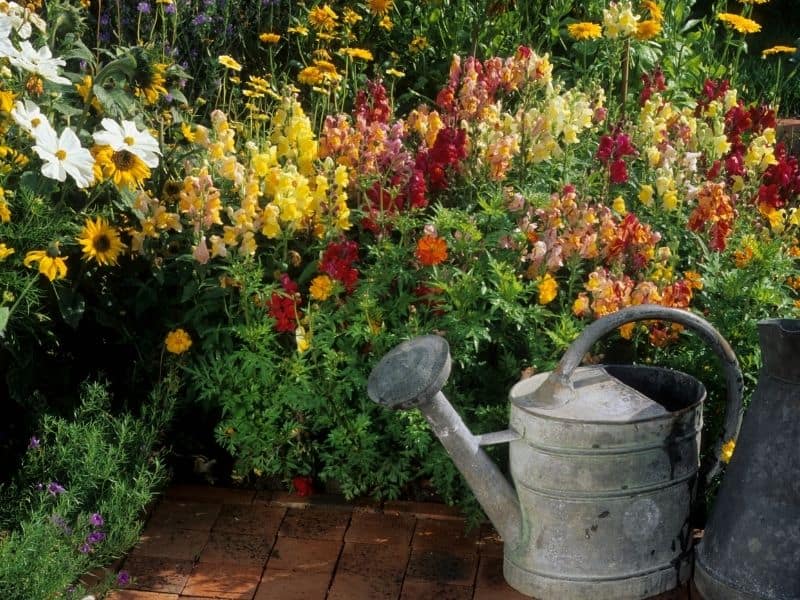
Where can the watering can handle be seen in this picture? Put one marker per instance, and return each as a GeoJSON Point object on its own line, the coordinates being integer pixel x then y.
{"type": "Point", "coordinates": [560, 384]}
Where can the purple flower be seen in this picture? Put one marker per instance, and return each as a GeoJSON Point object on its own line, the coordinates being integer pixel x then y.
{"type": "Point", "coordinates": [170, 9]}
{"type": "Point", "coordinates": [143, 7]}
{"type": "Point", "coordinates": [34, 443]}
{"type": "Point", "coordinates": [123, 578]}
{"type": "Point", "coordinates": [85, 549]}
{"type": "Point", "coordinates": [200, 19]}
{"type": "Point", "coordinates": [97, 520]}
{"type": "Point", "coordinates": [55, 489]}
{"type": "Point", "coordinates": [95, 537]}
{"type": "Point", "coordinates": [59, 522]}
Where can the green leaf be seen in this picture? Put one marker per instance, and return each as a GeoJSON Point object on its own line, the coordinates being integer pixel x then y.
{"type": "Point", "coordinates": [72, 306]}
{"type": "Point", "coordinates": [4, 314]}
{"type": "Point", "coordinates": [36, 184]}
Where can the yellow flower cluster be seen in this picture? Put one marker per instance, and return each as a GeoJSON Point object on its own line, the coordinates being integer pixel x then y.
{"type": "Point", "coordinates": [276, 190]}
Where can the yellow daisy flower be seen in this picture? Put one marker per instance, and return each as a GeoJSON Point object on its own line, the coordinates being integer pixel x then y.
{"type": "Point", "coordinates": [124, 168]}
{"type": "Point", "coordinates": [380, 7]}
{"type": "Point", "coordinates": [100, 242]}
{"type": "Point", "coordinates": [739, 23]}
{"type": "Point", "coordinates": [585, 31]}
{"type": "Point", "coordinates": [323, 18]}
{"type": "Point", "coordinates": [359, 53]}
{"type": "Point", "coordinates": [178, 341]}
{"type": "Point", "coordinates": [647, 30]}
{"type": "Point", "coordinates": [5, 252]}
{"type": "Point", "coordinates": [229, 62]}
{"type": "Point", "coordinates": [270, 38]}
{"type": "Point", "coordinates": [779, 50]}
{"type": "Point", "coordinates": [51, 265]}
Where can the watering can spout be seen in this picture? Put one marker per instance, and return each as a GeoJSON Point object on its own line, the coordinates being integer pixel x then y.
{"type": "Point", "coordinates": [412, 375]}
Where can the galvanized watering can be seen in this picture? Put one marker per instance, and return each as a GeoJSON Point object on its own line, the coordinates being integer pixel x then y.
{"type": "Point", "coordinates": [605, 461]}
{"type": "Point", "coordinates": [751, 544]}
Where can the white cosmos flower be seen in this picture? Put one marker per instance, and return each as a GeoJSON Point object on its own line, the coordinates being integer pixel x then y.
{"type": "Point", "coordinates": [39, 61]}
{"type": "Point", "coordinates": [30, 118]}
{"type": "Point", "coordinates": [6, 47]}
{"type": "Point", "coordinates": [127, 137]}
{"type": "Point", "coordinates": [64, 156]}
{"type": "Point", "coordinates": [21, 19]}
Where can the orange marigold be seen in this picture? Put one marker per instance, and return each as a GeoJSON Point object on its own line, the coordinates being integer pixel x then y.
{"type": "Point", "coordinates": [431, 250]}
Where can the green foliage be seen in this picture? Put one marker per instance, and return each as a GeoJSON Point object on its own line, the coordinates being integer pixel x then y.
{"type": "Point", "coordinates": [108, 465]}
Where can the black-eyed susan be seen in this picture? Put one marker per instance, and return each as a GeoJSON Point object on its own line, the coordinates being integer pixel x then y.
{"type": "Point", "coordinates": [584, 31]}
{"type": "Point", "coordinates": [51, 264]}
{"type": "Point", "coordinates": [100, 242]}
{"type": "Point", "coordinates": [122, 167]}
{"type": "Point", "coordinates": [739, 23]}
{"type": "Point", "coordinates": [148, 81]}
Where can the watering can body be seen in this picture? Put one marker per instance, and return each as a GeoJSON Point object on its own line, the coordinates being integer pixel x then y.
{"type": "Point", "coordinates": [751, 544]}
{"type": "Point", "coordinates": [604, 460]}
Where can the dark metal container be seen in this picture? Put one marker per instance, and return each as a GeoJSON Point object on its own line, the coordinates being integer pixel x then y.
{"type": "Point", "coordinates": [751, 545]}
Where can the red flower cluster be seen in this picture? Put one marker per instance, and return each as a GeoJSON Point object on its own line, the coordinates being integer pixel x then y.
{"type": "Point", "coordinates": [712, 90]}
{"type": "Point", "coordinates": [449, 149]}
{"type": "Point", "coordinates": [612, 152]}
{"type": "Point", "coordinates": [651, 83]}
{"type": "Point", "coordinates": [372, 104]}
{"type": "Point", "coordinates": [303, 486]}
{"type": "Point", "coordinates": [740, 121]}
{"type": "Point", "coordinates": [781, 181]}
{"type": "Point", "coordinates": [337, 262]}
{"type": "Point", "coordinates": [384, 202]}
{"type": "Point", "coordinates": [283, 305]}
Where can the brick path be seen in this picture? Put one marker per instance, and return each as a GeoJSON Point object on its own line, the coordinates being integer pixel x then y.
{"type": "Point", "coordinates": [206, 542]}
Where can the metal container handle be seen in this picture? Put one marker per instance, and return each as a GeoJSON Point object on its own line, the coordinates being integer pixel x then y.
{"type": "Point", "coordinates": [558, 385]}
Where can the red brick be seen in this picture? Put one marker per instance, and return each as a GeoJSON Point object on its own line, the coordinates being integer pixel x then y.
{"type": "Point", "coordinates": [425, 590]}
{"type": "Point", "coordinates": [290, 585]}
{"type": "Point", "coordinates": [158, 574]}
{"type": "Point", "coordinates": [350, 586]}
{"type": "Point", "coordinates": [254, 519]}
{"type": "Point", "coordinates": [374, 561]}
{"type": "Point", "coordinates": [442, 566]}
{"type": "Point", "coordinates": [137, 595]}
{"type": "Point", "coordinates": [378, 528]}
{"type": "Point", "coordinates": [263, 497]}
{"type": "Point", "coordinates": [423, 510]}
{"type": "Point", "coordinates": [315, 524]}
{"type": "Point", "coordinates": [431, 535]}
{"type": "Point", "coordinates": [247, 550]}
{"type": "Point", "coordinates": [221, 580]}
{"type": "Point", "coordinates": [206, 493]}
{"type": "Point", "coordinates": [179, 514]}
{"type": "Point", "coordinates": [181, 544]}
{"type": "Point", "coordinates": [308, 556]}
